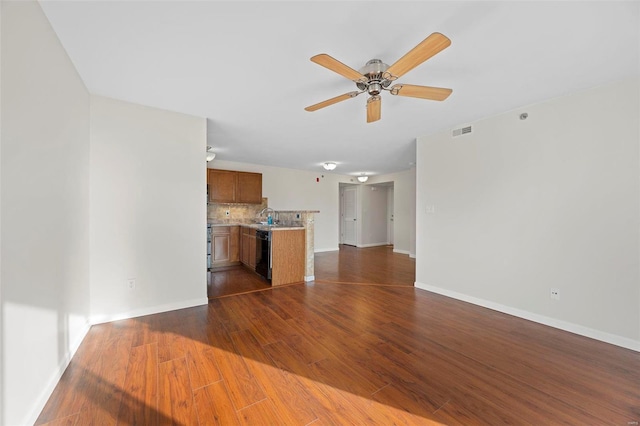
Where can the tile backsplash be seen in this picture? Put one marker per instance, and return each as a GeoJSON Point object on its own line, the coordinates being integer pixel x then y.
{"type": "Point", "coordinates": [238, 213]}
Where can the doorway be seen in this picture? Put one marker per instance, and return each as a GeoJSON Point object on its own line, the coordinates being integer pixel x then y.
{"type": "Point", "coordinates": [367, 214]}
{"type": "Point", "coordinates": [349, 215]}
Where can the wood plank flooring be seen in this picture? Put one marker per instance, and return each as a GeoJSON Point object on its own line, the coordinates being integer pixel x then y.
{"type": "Point", "coordinates": [371, 265]}
{"type": "Point", "coordinates": [349, 265]}
{"type": "Point", "coordinates": [327, 353]}
{"type": "Point", "coordinates": [232, 280]}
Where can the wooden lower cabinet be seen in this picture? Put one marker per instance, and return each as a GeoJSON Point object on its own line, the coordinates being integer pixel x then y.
{"type": "Point", "coordinates": [288, 254]}
{"type": "Point", "coordinates": [225, 246]}
{"type": "Point", "coordinates": [248, 247]}
{"type": "Point", "coordinates": [287, 251]}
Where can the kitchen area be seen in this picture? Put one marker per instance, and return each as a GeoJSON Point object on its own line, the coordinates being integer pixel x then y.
{"type": "Point", "coordinates": [251, 246]}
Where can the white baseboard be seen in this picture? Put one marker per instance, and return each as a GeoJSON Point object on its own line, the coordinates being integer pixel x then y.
{"type": "Point", "coordinates": [371, 245]}
{"type": "Point", "coordinates": [401, 251]}
{"type": "Point", "coordinates": [102, 318]}
{"type": "Point", "coordinates": [309, 278]}
{"type": "Point", "coordinates": [48, 389]}
{"type": "Point", "coordinates": [602, 336]}
{"type": "Point", "coordinates": [412, 255]}
{"type": "Point", "coordinates": [322, 250]}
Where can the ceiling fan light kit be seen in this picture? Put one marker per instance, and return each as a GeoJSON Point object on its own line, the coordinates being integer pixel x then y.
{"type": "Point", "coordinates": [376, 76]}
{"type": "Point", "coordinates": [363, 178]}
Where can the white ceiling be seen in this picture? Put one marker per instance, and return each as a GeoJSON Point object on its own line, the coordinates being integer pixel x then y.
{"type": "Point", "coordinates": [245, 67]}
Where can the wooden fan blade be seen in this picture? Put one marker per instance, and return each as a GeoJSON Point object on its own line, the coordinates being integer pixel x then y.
{"type": "Point", "coordinates": [337, 66]}
{"type": "Point", "coordinates": [423, 92]}
{"type": "Point", "coordinates": [332, 101]}
{"type": "Point", "coordinates": [374, 107]}
{"type": "Point", "coordinates": [431, 45]}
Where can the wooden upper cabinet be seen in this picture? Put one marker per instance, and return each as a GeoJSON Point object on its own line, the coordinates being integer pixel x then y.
{"type": "Point", "coordinates": [222, 186]}
{"type": "Point", "coordinates": [249, 188]}
{"type": "Point", "coordinates": [227, 186]}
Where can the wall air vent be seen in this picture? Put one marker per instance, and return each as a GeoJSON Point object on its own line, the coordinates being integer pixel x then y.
{"type": "Point", "coordinates": [461, 131]}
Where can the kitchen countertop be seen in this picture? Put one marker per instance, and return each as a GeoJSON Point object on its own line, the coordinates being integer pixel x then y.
{"type": "Point", "coordinates": [259, 226]}
{"type": "Point", "coordinates": [297, 211]}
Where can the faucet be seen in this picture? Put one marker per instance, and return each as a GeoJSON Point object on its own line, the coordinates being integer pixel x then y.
{"type": "Point", "coordinates": [269, 211]}
{"type": "Point", "coordinates": [266, 210]}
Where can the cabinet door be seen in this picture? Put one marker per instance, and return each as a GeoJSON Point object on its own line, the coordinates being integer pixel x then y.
{"type": "Point", "coordinates": [252, 251]}
{"type": "Point", "coordinates": [222, 186]}
{"type": "Point", "coordinates": [220, 247]}
{"type": "Point", "coordinates": [244, 257]}
{"type": "Point", "coordinates": [234, 243]}
{"type": "Point", "coordinates": [248, 249]}
{"type": "Point", "coordinates": [249, 188]}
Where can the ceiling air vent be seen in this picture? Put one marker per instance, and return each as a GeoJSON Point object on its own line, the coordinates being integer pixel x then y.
{"type": "Point", "coordinates": [461, 131]}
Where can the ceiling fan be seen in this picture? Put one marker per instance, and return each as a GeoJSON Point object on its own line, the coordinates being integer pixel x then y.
{"type": "Point", "coordinates": [377, 76]}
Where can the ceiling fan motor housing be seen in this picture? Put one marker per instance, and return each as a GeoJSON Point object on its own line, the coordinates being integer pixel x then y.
{"type": "Point", "coordinates": [374, 70]}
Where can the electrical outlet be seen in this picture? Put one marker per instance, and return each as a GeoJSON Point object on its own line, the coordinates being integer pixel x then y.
{"type": "Point", "coordinates": [555, 293]}
{"type": "Point", "coordinates": [131, 284]}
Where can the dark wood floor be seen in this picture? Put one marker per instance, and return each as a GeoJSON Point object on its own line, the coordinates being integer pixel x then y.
{"type": "Point", "coordinates": [332, 353]}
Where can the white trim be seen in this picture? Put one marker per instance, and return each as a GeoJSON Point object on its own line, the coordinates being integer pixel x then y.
{"type": "Point", "coordinates": [412, 255]}
{"type": "Point", "coordinates": [326, 249]}
{"type": "Point", "coordinates": [99, 319]}
{"type": "Point", "coordinates": [309, 278]}
{"type": "Point", "coordinates": [371, 245]}
{"type": "Point", "coordinates": [402, 251]}
{"type": "Point", "coordinates": [48, 389]}
{"type": "Point", "coordinates": [602, 336]}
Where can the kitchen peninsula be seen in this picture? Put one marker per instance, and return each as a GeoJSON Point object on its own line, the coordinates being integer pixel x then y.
{"type": "Point", "coordinates": [282, 252]}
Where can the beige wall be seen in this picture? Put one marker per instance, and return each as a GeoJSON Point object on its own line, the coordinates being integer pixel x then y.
{"type": "Point", "coordinates": [44, 175]}
{"type": "Point", "coordinates": [372, 217]}
{"type": "Point", "coordinates": [148, 209]}
{"type": "Point", "coordinates": [404, 208]}
{"type": "Point", "coordinates": [520, 207]}
{"type": "Point", "coordinates": [94, 191]}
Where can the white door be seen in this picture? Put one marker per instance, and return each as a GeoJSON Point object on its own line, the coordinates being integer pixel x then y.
{"type": "Point", "coordinates": [349, 215]}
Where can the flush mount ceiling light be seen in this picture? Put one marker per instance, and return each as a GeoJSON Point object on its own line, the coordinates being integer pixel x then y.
{"type": "Point", "coordinates": [363, 178]}
{"type": "Point", "coordinates": [329, 165]}
{"type": "Point", "coordinates": [210, 155]}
